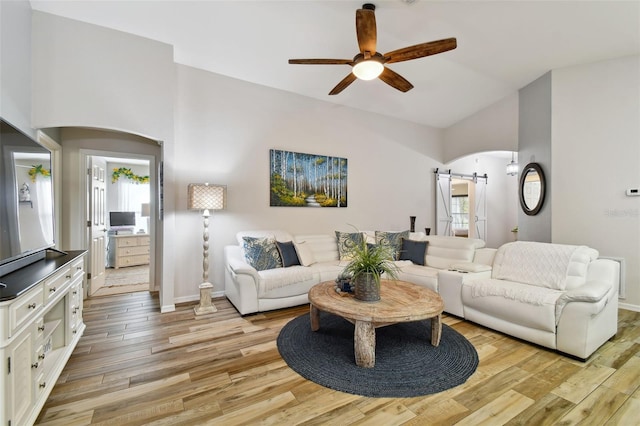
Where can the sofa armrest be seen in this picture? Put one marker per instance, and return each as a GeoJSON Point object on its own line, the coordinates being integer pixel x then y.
{"type": "Point", "coordinates": [592, 292]}
{"type": "Point", "coordinates": [240, 267]}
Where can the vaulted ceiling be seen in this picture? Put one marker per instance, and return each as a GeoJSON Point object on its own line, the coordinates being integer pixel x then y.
{"type": "Point", "coordinates": [502, 45]}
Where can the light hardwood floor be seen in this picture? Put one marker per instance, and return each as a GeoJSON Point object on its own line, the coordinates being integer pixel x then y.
{"type": "Point", "coordinates": [136, 366]}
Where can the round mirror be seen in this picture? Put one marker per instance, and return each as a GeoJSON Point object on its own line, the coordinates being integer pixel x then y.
{"type": "Point", "coordinates": [532, 186]}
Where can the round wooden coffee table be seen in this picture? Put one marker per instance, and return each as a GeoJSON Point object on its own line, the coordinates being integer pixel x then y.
{"type": "Point", "coordinates": [400, 301]}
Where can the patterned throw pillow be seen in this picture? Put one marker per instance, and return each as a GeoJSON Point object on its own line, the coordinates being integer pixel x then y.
{"type": "Point", "coordinates": [262, 253]}
{"type": "Point", "coordinates": [346, 242]}
{"type": "Point", "coordinates": [393, 240]}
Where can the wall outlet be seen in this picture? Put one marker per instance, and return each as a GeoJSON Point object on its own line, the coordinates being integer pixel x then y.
{"type": "Point", "coordinates": [633, 192]}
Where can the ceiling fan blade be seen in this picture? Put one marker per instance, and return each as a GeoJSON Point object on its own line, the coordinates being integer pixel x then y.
{"type": "Point", "coordinates": [321, 61]}
{"type": "Point", "coordinates": [395, 80]}
{"type": "Point", "coordinates": [343, 84]}
{"type": "Point", "coordinates": [366, 30]}
{"type": "Point", "coordinates": [421, 50]}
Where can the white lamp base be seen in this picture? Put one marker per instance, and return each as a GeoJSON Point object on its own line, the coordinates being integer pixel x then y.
{"type": "Point", "coordinates": [205, 306]}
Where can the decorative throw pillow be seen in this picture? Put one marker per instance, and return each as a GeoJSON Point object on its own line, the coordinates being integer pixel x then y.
{"type": "Point", "coordinates": [305, 254]}
{"type": "Point", "coordinates": [288, 253]}
{"type": "Point", "coordinates": [262, 253]}
{"type": "Point", "coordinates": [413, 251]}
{"type": "Point", "coordinates": [393, 240]}
{"type": "Point", "coordinates": [346, 242]}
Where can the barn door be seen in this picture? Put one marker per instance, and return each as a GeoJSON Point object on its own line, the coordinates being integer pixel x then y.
{"type": "Point", "coordinates": [480, 207]}
{"type": "Point", "coordinates": [443, 204]}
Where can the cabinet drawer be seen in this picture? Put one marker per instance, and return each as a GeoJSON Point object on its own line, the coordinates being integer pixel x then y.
{"type": "Point", "coordinates": [56, 283]}
{"type": "Point", "coordinates": [144, 241]}
{"type": "Point", "coordinates": [77, 268]}
{"type": "Point", "coordinates": [132, 251]}
{"type": "Point", "coordinates": [23, 311]}
{"type": "Point", "coordinates": [132, 241]}
{"type": "Point", "coordinates": [133, 260]}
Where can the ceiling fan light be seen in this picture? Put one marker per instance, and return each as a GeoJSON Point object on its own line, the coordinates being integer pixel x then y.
{"type": "Point", "coordinates": [367, 70]}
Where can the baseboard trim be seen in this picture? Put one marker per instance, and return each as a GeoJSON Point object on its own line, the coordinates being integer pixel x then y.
{"type": "Point", "coordinates": [629, 307]}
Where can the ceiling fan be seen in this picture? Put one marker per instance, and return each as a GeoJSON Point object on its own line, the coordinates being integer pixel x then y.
{"type": "Point", "coordinates": [370, 64]}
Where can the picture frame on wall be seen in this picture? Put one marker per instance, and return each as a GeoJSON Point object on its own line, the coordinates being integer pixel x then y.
{"type": "Point", "coordinates": [307, 180]}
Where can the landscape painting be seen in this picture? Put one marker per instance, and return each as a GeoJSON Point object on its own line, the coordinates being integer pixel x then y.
{"type": "Point", "coordinates": [307, 180]}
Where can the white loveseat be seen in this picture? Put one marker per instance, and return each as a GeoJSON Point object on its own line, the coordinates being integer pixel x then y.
{"type": "Point", "coordinates": [559, 296]}
{"type": "Point", "coordinates": [250, 290]}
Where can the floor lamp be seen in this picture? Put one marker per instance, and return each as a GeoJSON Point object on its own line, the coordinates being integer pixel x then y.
{"type": "Point", "coordinates": [206, 197]}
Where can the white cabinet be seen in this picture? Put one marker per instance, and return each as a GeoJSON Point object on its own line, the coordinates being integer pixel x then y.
{"type": "Point", "coordinates": [128, 250]}
{"type": "Point", "coordinates": [39, 328]}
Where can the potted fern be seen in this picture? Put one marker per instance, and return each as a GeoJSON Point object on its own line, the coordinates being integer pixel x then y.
{"type": "Point", "coordinates": [367, 265]}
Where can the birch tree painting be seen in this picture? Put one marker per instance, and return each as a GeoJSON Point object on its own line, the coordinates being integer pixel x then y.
{"type": "Point", "coordinates": [307, 180]}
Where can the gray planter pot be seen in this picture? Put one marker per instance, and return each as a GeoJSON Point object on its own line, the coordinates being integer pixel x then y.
{"type": "Point", "coordinates": [367, 288]}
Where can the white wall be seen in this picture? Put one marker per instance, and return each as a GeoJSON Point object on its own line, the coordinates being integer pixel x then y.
{"type": "Point", "coordinates": [502, 194]}
{"type": "Point", "coordinates": [124, 81]}
{"type": "Point", "coordinates": [15, 64]}
{"type": "Point", "coordinates": [596, 157]}
{"type": "Point", "coordinates": [494, 128]}
{"type": "Point", "coordinates": [534, 146]}
{"type": "Point", "coordinates": [224, 130]}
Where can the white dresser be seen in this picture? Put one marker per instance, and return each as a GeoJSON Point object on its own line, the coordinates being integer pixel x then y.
{"type": "Point", "coordinates": [128, 250]}
{"type": "Point", "coordinates": [40, 325]}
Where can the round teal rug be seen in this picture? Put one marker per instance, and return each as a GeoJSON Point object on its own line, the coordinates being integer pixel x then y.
{"type": "Point", "coordinates": [407, 365]}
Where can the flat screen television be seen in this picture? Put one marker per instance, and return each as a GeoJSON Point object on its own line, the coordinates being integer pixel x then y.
{"type": "Point", "coordinates": [122, 219]}
{"type": "Point", "coordinates": [26, 199]}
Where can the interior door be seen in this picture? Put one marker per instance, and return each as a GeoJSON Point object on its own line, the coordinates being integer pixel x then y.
{"type": "Point", "coordinates": [96, 217]}
{"type": "Point", "coordinates": [443, 204]}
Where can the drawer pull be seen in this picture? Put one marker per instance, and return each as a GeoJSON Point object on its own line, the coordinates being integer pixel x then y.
{"type": "Point", "coordinates": [67, 276]}
{"type": "Point", "coordinates": [52, 290]}
{"type": "Point", "coordinates": [75, 331]}
{"type": "Point", "coordinates": [43, 385]}
{"type": "Point", "coordinates": [31, 305]}
{"type": "Point", "coordinates": [75, 292]}
{"type": "Point", "coordinates": [78, 268]}
{"type": "Point", "coordinates": [75, 310]}
{"type": "Point", "coordinates": [34, 365]}
{"type": "Point", "coordinates": [41, 356]}
{"type": "Point", "coordinates": [41, 328]}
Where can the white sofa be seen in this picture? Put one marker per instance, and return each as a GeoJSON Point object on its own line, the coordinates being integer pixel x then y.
{"type": "Point", "coordinates": [251, 291]}
{"type": "Point", "coordinates": [558, 296]}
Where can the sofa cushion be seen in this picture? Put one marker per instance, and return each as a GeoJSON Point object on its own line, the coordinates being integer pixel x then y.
{"type": "Point", "coordinates": [346, 242]}
{"type": "Point", "coordinates": [305, 253]}
{"type": "Point", "coordinates": [526, 305]}
{"type": "Point", "coordinates": [285, 282]}
{"type": "Point", "coordinates": [444, 251]}
{"type": "Point", "coordinates": [261, 253]}
{"type": "Point", "coordinates": [543, 264]}
{"type": "Point", "coordinates": [420, 275]}
{"type": "Point", "coordinates": [413, 251]}
{"type": "Point", "coordinates": [393, 240]}
{"type": "Point", "coordinates": [288, 253]}
{"type": "Point", "coordinates": [321, 247]}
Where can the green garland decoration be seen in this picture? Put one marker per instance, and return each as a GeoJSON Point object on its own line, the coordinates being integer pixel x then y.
{"type": "Point", "coordinates": [34, 171]}
{"type": "Point", "coordinates": [123, 171]}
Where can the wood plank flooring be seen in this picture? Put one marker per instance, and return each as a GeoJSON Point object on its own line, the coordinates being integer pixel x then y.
{"type": "Point", "coordinates": [135, 366]}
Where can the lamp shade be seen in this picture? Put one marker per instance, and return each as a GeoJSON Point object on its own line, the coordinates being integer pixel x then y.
{"type": "Point", "coordinates": [512, 167]}
{"type": "Point", "coordinates": [205, 196]}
